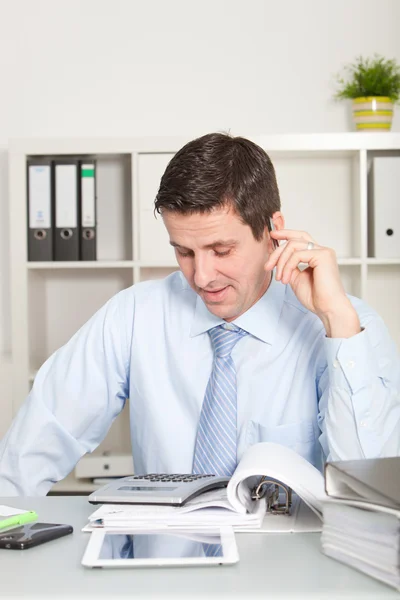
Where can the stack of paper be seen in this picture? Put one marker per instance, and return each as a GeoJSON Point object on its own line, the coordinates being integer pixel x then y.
{"type": "Point", "coordinates": [362, 516]}
{"type": "Point", "coordinates": [364, 538]}
{"type": "Point", "coordinates": [211, 509]}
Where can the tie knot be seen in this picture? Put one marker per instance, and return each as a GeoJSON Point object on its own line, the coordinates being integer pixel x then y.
{"type": "Point", "coordinates": [224, 337]}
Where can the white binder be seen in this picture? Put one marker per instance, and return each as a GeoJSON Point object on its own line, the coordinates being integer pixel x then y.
{"type": "Point", "coordinates": [40, 233]}
{"type": "Point", "coordinates": [384, 208]}
{"type": "Point", "coordinates": [88, 210]}
{"type": "Point", "coordinates": [66, 210]}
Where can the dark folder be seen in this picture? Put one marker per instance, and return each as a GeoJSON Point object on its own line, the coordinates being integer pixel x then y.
{"type": "Point", "coordinates": [87, 196]}
{"type": "Point", "coordinates": [40, 210]}
{"type": "Point", "coordinates": [66, 209]}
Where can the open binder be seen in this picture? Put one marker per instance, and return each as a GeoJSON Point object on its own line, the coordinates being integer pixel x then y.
{"type": "Point", "coordinates": [288, 499]}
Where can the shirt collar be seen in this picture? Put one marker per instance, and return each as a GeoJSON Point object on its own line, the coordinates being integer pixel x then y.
{"type": "Point", "coordinates": [261, 320]}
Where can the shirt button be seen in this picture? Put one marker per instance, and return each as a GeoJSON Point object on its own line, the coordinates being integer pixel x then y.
{"type": "Point", "coordinates": [351, 364]}
{"type": "Point", "coordinates": [363, 423]}
{"type": "Point", "coordinates": [336, 364]}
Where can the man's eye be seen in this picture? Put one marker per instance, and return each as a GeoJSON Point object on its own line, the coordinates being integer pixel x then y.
{"type": "Point", "coordinates": [186, 254]}
{"type": "Point", "coordinates": [183, 254]}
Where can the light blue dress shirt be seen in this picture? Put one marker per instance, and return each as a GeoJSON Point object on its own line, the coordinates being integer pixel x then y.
{"type": "Point", "coordinates": [336, 398]}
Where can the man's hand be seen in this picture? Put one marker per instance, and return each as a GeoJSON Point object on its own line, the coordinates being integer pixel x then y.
{"type": "Point", "coordinates": [318, 287]}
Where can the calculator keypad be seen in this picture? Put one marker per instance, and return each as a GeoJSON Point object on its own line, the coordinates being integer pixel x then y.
{"type": "Point", "coordinates": [176, 477]}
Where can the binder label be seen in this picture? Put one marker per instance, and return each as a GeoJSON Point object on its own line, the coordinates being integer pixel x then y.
{"type": "Point", "coordinates": [88, 196]}
{"type": "Point", "coordinates": [66, 196]}
{"type": "Point", "coordinates": [39, 197]}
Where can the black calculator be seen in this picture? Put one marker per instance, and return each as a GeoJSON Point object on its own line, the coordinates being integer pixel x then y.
{"type": "Point", "coordinates": [156, 488]}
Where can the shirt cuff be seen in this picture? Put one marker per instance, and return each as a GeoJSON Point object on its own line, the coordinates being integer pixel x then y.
{"type": "Point", "coordinates": [350, 361]}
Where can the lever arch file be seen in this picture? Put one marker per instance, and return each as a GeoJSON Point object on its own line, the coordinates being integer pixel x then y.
{"type": "Point", "coordinates": [370, 480]}
{"type": "Point", "coordinates": [384, 207]}
{"type": "Point", "coordinates": [66, 242]}
{"type": "Point", "coordinates": [361, 525]}
{"type": "Point", "coordinates": [88, 239]}
{"type": "Point", "coordinates": [40, 232]}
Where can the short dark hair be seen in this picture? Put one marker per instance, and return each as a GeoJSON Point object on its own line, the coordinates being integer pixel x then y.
{"type": "Point", "coordinates": [218, 170]}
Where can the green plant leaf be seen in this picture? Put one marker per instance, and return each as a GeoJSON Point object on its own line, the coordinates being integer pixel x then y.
{"type": "Point", "coordinates": [374, 76]}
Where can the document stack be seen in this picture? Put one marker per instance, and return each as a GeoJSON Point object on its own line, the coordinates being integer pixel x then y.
{"type": "Point", "coordinates": [362, 516]}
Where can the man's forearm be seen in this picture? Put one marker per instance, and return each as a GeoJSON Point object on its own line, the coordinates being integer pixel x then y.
{"type": "Point", "coordinates": [360, 395]}
{"type": "Point", "coordinates": [367, 432]}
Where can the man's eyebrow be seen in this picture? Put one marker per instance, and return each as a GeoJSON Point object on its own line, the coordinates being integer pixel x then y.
{"type": "Point", "coordinates": [216, 244]}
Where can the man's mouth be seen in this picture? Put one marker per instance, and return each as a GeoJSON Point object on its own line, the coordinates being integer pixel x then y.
{"type": "Point", "coordinates": [215, 295]}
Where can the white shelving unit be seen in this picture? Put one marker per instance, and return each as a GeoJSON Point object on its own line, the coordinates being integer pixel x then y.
{"type": "Point", "coordinates": [323, 184]}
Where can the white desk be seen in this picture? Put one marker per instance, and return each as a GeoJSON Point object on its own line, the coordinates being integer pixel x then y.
{"type": "Point", "coordinates": [271, 567]}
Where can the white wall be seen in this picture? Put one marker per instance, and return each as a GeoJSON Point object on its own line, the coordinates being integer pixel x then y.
{"type": "Point", "coordinates": [165, 67]}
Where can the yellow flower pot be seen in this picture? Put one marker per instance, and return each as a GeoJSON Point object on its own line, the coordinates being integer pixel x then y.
{"type": "Point", "coordinates": [373, 113]}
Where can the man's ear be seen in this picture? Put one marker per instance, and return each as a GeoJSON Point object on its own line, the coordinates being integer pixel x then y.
{"type": "Point", "coordinates": [278, 220]}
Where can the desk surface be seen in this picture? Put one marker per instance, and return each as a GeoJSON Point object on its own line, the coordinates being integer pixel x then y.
{"type": "Point", "coordinates": [271, 566]}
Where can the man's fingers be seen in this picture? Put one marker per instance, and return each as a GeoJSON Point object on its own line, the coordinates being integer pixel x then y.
{"type": "Point", "coordinates": [300, 256]}
{"type": "Point", "coordinates": [286, 251]}
{"type": "Point", "coordinates": [290, 234]}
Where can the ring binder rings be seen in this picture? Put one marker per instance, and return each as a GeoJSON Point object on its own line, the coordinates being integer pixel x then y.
{"type": "Point", "coordinates": [65, 197]}
{"type": "Point", "coordinates": [40, 210]}
{"type": "Point", "coordinates": [87, 189]}
{"type": "Point", "coordinates": [270, 489]}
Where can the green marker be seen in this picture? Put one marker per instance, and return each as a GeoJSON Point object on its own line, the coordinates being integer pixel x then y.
{"type": "Point", "coordinates": [21, 519]}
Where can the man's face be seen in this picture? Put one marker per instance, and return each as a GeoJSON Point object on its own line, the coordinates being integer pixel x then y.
{"type": "Point", "coordinates": [220, 259]}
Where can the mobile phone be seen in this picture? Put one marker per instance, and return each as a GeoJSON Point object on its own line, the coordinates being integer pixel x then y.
{"type": "Point", "coordinates": [272, 227]}
{"type": "Point", "coordinates": [32, 534]}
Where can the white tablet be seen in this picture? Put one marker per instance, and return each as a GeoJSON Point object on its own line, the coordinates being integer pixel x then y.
{"type": "Point", "coordinates": [143, 548]}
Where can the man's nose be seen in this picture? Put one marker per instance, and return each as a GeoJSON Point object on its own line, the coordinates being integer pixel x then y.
{"type": "Point", "coordinates": [204, 271]}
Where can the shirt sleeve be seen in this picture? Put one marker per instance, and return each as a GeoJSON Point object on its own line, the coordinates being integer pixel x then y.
{"type": "Point", "coordinates": [77, 394]}
{"type": "Point", "coordinates": [359, 391]}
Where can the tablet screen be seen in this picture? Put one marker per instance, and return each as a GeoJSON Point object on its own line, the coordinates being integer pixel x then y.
{"type": "Point", "coordinates": [158, 545]}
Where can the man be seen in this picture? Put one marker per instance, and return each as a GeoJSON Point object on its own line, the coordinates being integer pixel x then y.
{"type": "Point", "coordinates": [222, 354]}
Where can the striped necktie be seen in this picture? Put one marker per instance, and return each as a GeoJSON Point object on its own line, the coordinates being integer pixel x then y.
{"type": "Point", "coordinates": [215, 450]}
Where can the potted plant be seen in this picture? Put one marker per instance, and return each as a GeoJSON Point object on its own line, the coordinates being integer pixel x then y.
{"type": "Point", "coordinates": [374, 86]}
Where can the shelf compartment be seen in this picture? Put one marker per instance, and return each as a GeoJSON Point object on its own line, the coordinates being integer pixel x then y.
{"type": "Point", "coordinates": [383, 294]}
{"type": "Point", "coordinates": [154, 243]}
{"type": "Point", "coordinates": [319, 195]}
{"type": "Point", "coordinates": [114, 237]}
{"type": "Point", "coordinates": [114, 208]}
{"type": "Point", "coordinates": [61, 301]}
